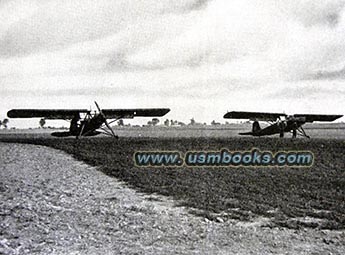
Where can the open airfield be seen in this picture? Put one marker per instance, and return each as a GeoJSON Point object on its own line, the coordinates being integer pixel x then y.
{"type": "Point", "coordinates": [53, 203]}
{"type": "Point", "coordinates": [315, 130]}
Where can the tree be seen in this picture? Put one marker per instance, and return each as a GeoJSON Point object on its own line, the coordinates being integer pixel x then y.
{"type": "Point", "coordinates": [214, 123]}
{"type": "Point", "coordinates": [166, 122]}
{"type": "Point", "coordinates": [42, 123]}
{"type": "Point", "coordinates": [4, 123]}
{"type": "Point", "coordinates": [120, 122]}
{"type": "Point", "coordinates": [192, 122]}
{"type": "Point", "coordinates": [155, 121]}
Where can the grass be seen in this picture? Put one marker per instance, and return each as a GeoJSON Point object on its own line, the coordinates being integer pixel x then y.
{"type": "Point", "coordinates": [287, 195]}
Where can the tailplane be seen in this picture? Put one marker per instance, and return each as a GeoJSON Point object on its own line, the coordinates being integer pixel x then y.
{"type": "Point", "coordinates": [246, 133]}
{"type": "Point", "coordinates": [61, 134]}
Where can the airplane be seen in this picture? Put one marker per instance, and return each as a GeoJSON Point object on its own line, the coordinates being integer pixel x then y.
{"type": "Point", "coordinates": [280, 123]}
{"type": "Point", "coordinates": [91, 123]}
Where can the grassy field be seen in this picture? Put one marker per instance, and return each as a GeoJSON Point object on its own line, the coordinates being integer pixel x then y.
{"type": "Point", "coordinates": [315, 130]}
{"type": "Point", "coordinates": [292, 197]}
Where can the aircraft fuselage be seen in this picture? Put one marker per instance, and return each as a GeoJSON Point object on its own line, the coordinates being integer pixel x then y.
{"type": "Point", "coordinates": [277, 128]}
{"type": "Point", "coordinates": [86, 127]}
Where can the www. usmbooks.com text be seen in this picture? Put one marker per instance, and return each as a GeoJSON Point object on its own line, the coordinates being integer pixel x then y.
{"type": "Point", "coordinates": [224, 158]}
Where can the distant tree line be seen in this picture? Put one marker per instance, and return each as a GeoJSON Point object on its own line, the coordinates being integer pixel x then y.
{"type": "Point", "coordinates": [171, 122]}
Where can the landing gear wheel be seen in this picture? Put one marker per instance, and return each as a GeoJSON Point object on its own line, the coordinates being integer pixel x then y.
{"type": "Point", "coordinates": [294, 133]}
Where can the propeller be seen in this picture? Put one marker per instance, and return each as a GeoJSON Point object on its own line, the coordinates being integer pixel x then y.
{"type": "Point", "coordinates": [105, 120]}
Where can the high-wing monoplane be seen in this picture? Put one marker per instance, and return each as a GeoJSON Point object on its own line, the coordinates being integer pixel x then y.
{"type": "Point", "coordinates": [279, 122]}
{"type": "Point", "coordinates": [93, 123]}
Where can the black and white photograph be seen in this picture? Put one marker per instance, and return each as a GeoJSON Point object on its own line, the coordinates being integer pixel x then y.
{"type": "Point", "coordinates": [172, 127]}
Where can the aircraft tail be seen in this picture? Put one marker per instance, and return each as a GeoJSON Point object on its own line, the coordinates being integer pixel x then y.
{"type": "Point", "coordinates": [256, 127]}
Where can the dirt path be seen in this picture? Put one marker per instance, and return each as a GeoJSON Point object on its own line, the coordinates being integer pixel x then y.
{"type": "Point", "coordinates": [51, 203]}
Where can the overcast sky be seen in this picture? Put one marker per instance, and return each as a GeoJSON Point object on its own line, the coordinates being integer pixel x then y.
{"type": "Point", "coordinates": [198, 57]}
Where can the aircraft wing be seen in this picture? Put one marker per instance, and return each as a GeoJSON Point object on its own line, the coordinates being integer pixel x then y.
{"type": "Point", "coordinates": [318, 117]}
{"type": "Point", "coordinates": [131, 113]}
{"type": "Point", "coordinates": [46, 113]}
{"type": "Point", "coordinates": [265, 116]}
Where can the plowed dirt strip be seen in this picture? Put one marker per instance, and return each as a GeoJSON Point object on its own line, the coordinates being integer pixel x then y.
{"type": "Point", "coordinates": [52, 204]}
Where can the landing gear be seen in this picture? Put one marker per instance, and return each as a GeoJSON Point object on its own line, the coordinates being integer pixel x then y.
{"type": "Point", "coordinates": [111, 133]}
{"type": "Point", "coordinates": [299, 131]}
{"type": "Point", "coordinates": [294, 130]}
{"type": "Point", "coordinates": [81, 130]}
{"type": "Point", "coordinates": [281, 134]}
{"type": "Point", "coordinates": [303, 133]}
{"type": "Point", "coordinates": [281, 126]}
